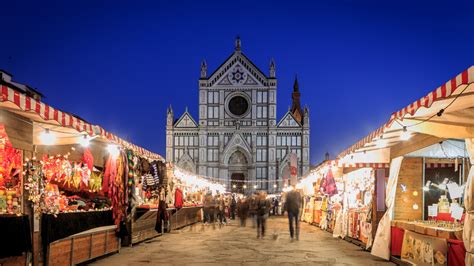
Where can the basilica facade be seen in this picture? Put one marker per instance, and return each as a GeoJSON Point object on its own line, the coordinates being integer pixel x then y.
{"type": "Point", "coordinates": [238, 138]}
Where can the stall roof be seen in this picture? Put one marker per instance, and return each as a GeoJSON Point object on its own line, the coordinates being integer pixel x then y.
{"type": "Point", "coordinates": [445, 149]}
{"type": "Point", "coordinates": [40, 112]}
{"type": "Point", "coordinates": [446, 112]}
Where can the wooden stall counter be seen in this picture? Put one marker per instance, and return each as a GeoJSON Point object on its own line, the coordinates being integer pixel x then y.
{"type": "Point", "coordinates": [431, 229]}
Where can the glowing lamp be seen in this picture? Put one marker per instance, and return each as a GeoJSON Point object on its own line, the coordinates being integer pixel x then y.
{"type": "Point", "coordinates": [47, 138]}
{"type": "Point", "coordinates": [113, 150]}
{"type": "Point", "coordinates": [85, 141]}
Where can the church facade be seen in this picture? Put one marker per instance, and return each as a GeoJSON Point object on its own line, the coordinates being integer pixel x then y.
{"type": "Point", "coordinates": [237, 138]}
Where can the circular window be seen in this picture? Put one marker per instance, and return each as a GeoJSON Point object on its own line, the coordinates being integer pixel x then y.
{"type": "Point", "coordinates": [238, 105]}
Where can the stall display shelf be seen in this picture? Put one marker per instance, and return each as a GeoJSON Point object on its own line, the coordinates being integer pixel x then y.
{"type": "Point", "coordinates": [431, 229]}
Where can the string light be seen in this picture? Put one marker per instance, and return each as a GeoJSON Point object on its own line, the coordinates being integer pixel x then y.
{"type": "Point", "coordinates": [234, 186]}
{"type": "Point", "coordinates": [245, 186]}
{"type": "Point", "coordinates": [255, 186]}
{"type": "Point", "coordinates": [275, 185]}
{"type": "Point", "coordinates": [47, 138]}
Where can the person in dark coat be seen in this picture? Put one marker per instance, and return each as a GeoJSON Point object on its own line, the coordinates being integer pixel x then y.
{"type": "Point", "coordinates": [292, 206]}
{"type": "Point", "coordinates": [242, 211]}
{"type": "Point", "coordinates": [262, 210]}
{"type": "Point", "coordinates": [233, 206]}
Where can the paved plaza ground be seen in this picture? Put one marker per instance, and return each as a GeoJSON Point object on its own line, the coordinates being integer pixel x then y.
{"type": "Point", "coordinates": [233, 245]}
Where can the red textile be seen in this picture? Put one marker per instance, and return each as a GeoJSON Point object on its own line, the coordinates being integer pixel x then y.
{"type": "Point", "coordinates": [397, 241]}
{"type": "Point", "coordinates": [456, 252]}
{"type": "Point", "coordinates": [88, 159]}
{"type": "Point", "coordinates": [447, 217]}
{"type": "Point", "coordinates": [178, 198]}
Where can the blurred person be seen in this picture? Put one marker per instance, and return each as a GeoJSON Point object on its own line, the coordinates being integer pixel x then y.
{"type": "Point", "coordinates": [292, 206]}
{"type": "Point", "coordinates": [253, 209]}
{"type": "Point", "coordinates": [242, 211]}
{"type": "Point", "coordinates": [263, 208]}
{"type": "Point", "coordinates": [233, 205]}
{"type": "Point", "coordinates": [275, 206]}
{"type": "Point", "coordinates": [221, 210]}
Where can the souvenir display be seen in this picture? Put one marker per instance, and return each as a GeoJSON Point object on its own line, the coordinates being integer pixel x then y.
{"type": "Point", "coordinates": [11, 175]}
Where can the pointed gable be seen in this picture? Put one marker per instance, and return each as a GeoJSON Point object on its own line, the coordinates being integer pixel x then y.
{"type": "Point", "coordinates": [237, 140]}
{"type": "Point", "coordinates": [237, 70]}
{"type": "Point", "coordinates": [288, 121]}
{"type": "Point", "coordinates": [186, 121]}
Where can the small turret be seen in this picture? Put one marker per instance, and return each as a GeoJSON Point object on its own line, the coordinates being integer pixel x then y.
{"type": "Point", "coordinates": [169, 117]}
{"type": "Point", "coordinates": [238, 44]}
{"type": "Point", "coordinates": [272, 68]}
{"type": "Point", "coordinates": [296, 106]}
{"type": "Point", "coordinates": [203, 69]}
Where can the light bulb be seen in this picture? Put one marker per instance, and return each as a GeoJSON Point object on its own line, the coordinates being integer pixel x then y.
{"type": "Point", "coordinates": [415, 206]}
{"type": "Point", "coordinates": [254, 186]}
{"type": "Point", "coordinates": [245, 186]}
{"type": "Point", "coordinates": [85, 141]}
{"type": "Point", "coordinates": [234, 186]}
{"type": "Point", "coordinates": [406, 135]}
{"type": "Point", "coordinates": [47, 138]}
{"type": "Point", "coordinates": [274, 185]}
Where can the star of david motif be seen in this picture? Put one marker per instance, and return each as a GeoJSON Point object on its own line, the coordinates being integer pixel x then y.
{"type": "Point", "coordinates": [238, 76]}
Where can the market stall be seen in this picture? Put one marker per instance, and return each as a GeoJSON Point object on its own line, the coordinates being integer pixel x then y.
{"type": "Point", "coordinates": [17, 239]}
{"type": "Point", "coordinates": [437, 198]}
{"type": "Point", "coordinates": [73, 174]}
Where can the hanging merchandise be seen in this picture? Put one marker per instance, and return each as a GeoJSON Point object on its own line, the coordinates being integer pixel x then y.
{"type": "Point", "coordinates": [11, 174]}
{"type": "Point", "coordinates": [328, 185]}
{"type": "Point", "coordinates": [88, 159]}
{"type": "Point", "coordinates": [178, 198]}
{"type": "Point", "coordinates": [113, 186]}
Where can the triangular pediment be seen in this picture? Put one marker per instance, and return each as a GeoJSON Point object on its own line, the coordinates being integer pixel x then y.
{"type": "Point", "coordinates": [186, 121]}
{"type": "Point", "coordinates": [238, 70]}
{"type": "Point", "coordinates": [288, 121]}
{"type": "Point", "coordinates": [186, 163]}
{"type": "Point", "coordinates": [237, 141]}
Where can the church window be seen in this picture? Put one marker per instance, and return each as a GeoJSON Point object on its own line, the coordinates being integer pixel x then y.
{"type": "Point", "coordinates": [213, 97]}
{"type": "Point", "coordinates": [262, 178]}
{"type": "Point", "coordinates": [262, 97]}
{"type": "Point", "coordinates": [261, 155]}
{"type": "Point", "coordinates": [212, 155]}
{"type": "Point", "coordinates": [212, 140]}
{"type": "Point", "coordinates": [213, 112]}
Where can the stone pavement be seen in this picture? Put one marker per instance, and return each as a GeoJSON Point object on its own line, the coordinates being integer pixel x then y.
{"type": "Point", "coordinates": [233, 245]}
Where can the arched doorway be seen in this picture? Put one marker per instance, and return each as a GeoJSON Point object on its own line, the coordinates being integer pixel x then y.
{"type": "Point", "coordinates": [238, 171]}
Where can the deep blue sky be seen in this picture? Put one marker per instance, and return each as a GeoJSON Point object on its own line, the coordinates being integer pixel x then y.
{"type": "Point", "coordinates": [120, 65]}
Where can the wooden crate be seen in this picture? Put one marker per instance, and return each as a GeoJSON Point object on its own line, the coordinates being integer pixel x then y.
{"type": "Point", "coordinates": [83, 247]}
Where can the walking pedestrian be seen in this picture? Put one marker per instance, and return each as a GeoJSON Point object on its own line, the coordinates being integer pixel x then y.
{"type": "Point", "coordinates": [242, 211]}
{"type": "Point", "coordinates": [233, 205]}
{"type": "Point", "coordinates": [292, 206]}
{"type": "Point", "coordinates": [263, 208]}
{"type": "Point", "coordinates": [221, 210]}
{"type": "Point", "coordinates": [275, 206]}
{"type": "Point", "coordinates": [253, 209]}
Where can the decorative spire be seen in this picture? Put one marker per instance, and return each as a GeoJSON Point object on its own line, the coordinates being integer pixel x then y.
{"type": "Point", "coordinates": [272, 68]}
{"type": "Point", "coordinates": [296, 87]}
{"type": "Point", "coordinates": [203, 69]}
{"type": "Point", "coordinates": [186, 109]}
{"type": "Point", "coordinates": [237, 43]}
{"type": "Point", "coordinates": [296, 106]}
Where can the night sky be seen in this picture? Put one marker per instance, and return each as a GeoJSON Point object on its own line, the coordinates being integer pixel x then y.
{"type": "Point", "coordinates": [120, 65]}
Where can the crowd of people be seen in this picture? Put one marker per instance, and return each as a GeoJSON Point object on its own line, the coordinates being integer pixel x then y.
{"type": "Point", "coordinates": [257, 207]}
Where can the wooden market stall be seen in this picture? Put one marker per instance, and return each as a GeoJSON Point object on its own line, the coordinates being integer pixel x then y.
{"type": "Point", "coordinates": [427, 184]}
{"type": "Point", "coordinates": [74, 175]}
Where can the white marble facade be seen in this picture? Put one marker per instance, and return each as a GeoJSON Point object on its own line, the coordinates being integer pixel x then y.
{"type": "Point", "coordinates": [237, 136]}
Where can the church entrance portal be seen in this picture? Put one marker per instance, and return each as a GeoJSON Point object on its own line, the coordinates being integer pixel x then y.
{"type": "Point", "coordinates": [237, 183]}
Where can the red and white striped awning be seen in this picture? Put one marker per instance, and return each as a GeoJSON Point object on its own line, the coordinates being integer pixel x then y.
{"type": "Point", "coordinates": [15, 99]}
{"type": "Point", "coordinates": [440, 165]}
{"type": "Point", "coordinates": [446, 91]}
